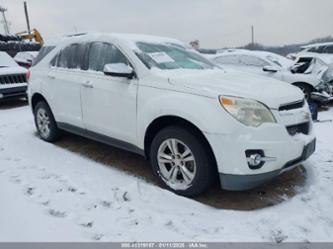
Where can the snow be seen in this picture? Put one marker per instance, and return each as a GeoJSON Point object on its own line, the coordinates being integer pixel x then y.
{"type": "Point", "coordinates": [6, 60]}
{"type": "Point", "coordinates": [25, 57]}
{"type": "Point", "coordinates": [49, 193]}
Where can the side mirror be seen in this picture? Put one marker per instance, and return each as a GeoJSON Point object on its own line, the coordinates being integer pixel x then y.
{"type": "Point", "coordinates": [270, 69]}
{"type": "Point", "coordinates": [119, 70]}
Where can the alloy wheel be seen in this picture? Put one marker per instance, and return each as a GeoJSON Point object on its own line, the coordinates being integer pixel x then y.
{"type": "Point", "coordinates": [177, 164]}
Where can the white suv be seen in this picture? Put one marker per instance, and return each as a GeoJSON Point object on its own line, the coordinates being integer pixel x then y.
{"type": "Point", "coordinates": [158, 98]}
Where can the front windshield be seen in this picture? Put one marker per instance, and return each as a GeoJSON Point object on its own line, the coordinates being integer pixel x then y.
{"type": "Point", "coordinates": [169, 56]}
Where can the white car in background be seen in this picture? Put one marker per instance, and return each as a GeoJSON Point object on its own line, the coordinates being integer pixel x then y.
{"type": "Point", "coordinates": [270, 65]}
{"type": "Point", "coordinates": [318, 48]}
{"type": "Point", "coordinates": [13, 78]}
{"type": "Point", "coordinates": [313, 49]}
{"type": "Point", "coordinates": [318, 64]}
{"type": "Point", "coordinates": [153, 96]}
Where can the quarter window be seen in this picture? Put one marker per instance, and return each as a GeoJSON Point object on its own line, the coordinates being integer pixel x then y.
{"type": "Point", "coordinates": [42, 53]}
{"type": "Point", "coordinates": [101, 54]}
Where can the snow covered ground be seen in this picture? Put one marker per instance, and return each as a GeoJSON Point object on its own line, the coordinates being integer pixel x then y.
{"type": "Point", "coordinates": [48, 193]}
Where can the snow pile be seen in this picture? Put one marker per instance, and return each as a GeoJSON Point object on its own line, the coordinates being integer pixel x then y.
{"type": "Point", "coordinates": [51, 194]}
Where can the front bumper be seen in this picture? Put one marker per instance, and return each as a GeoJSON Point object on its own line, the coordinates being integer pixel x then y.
{"type": "Point", "coordinates": [13, 92]}
{"type": "Point", "coordinates": [245, 182]}
{"type": "Point", "coordinates": [284, 144]}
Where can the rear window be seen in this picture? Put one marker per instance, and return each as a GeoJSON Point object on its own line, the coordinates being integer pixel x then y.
{"type": "Point", "coordinates": [42, 53]}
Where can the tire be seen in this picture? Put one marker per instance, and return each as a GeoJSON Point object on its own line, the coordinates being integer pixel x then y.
{"type": "Point", "coordinates": [186, 177]}
{"type": "Point", "coordinates": [45, 122]}
{"type": "Point", "coordinates": [306, 89]}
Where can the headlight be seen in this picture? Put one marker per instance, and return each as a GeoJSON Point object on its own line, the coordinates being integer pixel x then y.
{"type": "Point", "coordinates": [248, 112]}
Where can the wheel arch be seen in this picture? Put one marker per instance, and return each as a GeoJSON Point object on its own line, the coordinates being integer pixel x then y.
{"type": "Point", "coordinates": [37, 97]}
{"type": "Point", "coordinates": [170, 120]}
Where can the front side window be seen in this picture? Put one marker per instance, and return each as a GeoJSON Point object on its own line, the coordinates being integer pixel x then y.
{"type": "Point", "coordinates": [101, 53]}
{"type": "Point", "coordinates": [228, 60]}
{"type": "Point", "coordinates": [167, 56]}
{"type": "Point", "coordinates": [252, 61]}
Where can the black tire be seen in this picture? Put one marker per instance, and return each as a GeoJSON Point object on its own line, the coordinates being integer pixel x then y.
{"type": "Point", "coordinates": [206, 172]}
{"type": "Point", "coordinates": [54, 132]}
{"type": "Point", "coordinates": [306, 89]}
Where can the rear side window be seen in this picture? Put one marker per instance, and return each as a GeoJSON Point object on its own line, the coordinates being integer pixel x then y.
{"type": "Point", "coordinates": [42, 53]}
{"type": "Point", "coordinates": [71, 57]}
{"type": "Point", "coordinates": [101, 53]}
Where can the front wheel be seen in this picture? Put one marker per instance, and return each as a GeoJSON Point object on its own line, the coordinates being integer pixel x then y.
{"type": "Point", "coordinates": [45, 122]}
{"type": "Point", "coordinates": [181, 162]}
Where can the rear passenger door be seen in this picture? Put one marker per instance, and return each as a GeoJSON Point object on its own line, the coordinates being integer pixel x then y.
{"type": "Point", "coordinates": [109, 103]}
{"type": "Point", "coordinates": [64, 85]}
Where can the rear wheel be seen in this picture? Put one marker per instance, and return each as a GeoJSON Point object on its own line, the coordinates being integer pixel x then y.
{"type": "Point", "coordinates": [45, 122]}
{"type": "Point", "coordinates": [180, 162]}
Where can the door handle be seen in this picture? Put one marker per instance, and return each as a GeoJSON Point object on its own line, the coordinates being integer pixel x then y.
{"type": "Point", "coordinates": [87, 84]}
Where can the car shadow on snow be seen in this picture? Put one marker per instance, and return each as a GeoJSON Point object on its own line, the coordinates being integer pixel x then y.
{"type": "Point", "coordinates": [277, 191]}
{"type": "Point", "coordinates": [13, 103]}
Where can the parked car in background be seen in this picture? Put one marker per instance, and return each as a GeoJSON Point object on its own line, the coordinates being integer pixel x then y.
{"type": "Point", "coordinates": [194, 121]}
{"type": "Point", "coordinates": [25, 59]}
{"type": "Point", "coordinates": [318, 48]}
{"type": "Point", "coordinates": [316, 64]}
{"type": "Point", "coordinates": [13, 78]}
{"type": "Point", "coordinates": [274, 66]}
{"type": "Point", "coordinates": [313, 49]}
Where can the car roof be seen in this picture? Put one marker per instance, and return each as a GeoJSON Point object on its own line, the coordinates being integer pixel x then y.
{"type": "Point", "coordinates": [129, 39]}
{"type": "Point", "coordinates": [260, 54]}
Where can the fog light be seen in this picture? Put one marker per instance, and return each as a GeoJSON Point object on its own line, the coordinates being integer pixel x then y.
{"type": "Point", "coordinates": [256, 158]}
{"type": "Point", "coordinates": [1, 95]}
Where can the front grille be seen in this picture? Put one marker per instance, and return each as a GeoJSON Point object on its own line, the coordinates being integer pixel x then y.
{"type": "Point", "coordinates": [12, 79]}
{"type": "Point", "coordinates": [300, 128]}
{"type": "Point", "coordinates": [292, 106]}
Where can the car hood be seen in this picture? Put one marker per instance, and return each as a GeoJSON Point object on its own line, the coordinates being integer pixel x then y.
{"type": "Point", "coordinates": [217, 82]}
{"type": "Point", "coordinates": [4, 70]}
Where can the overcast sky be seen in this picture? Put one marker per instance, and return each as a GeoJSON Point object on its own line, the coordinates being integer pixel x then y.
{"type": "Point", "coordinates": [216, 23]}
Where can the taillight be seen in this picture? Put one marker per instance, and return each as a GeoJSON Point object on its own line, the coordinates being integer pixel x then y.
{"type": "Point", "coordinates": [28, 76]}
